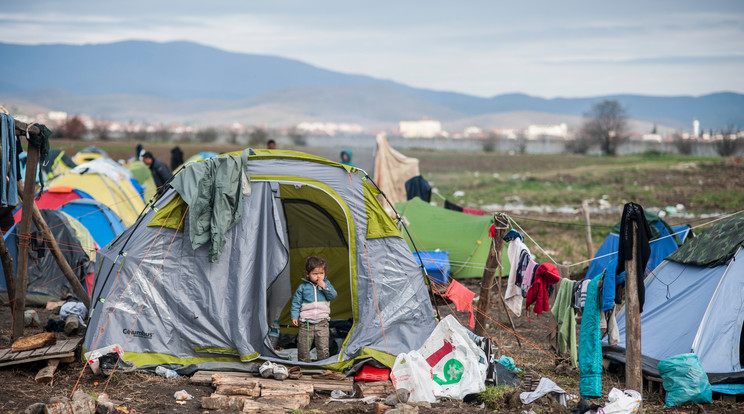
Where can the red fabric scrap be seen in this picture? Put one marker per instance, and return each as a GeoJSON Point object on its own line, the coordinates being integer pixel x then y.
{"type": "Point", "coordinates": [462, 297]}
{"type": "Point", "coordinates": [473, 211]}
{"type": "Point", "coordinates": [545, 275]}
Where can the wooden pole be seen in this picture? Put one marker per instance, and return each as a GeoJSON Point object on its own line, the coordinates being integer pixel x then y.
{"type": "Point", "coordinates": [588, 228]}
{"type": "Point", "coordinates": [492, 262]}
{"type": "Point", "coordinates": [51, 243]}
{"type": "Point", "coordinates": [23, 240]}
{"type": "Point", "coordinates": [7, 261]}
{"type": "Point", "coordinates": [633, 372]}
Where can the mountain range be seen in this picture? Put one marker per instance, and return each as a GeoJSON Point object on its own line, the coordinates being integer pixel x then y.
{"type": "Point", "coordinates": [202, 85]}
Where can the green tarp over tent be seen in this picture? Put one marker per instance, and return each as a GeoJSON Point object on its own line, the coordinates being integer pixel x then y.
{"type": "Point", "coordinates": [464, 236]}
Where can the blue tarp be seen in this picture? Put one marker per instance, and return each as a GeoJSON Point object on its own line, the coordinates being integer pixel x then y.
{"type": "Point", "coordinates": [661, 247]}
{"type": "Point", "coordinates": [436, 264]}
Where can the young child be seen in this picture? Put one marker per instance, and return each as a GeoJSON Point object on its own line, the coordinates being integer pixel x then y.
{"type": "Point", "coordinates": [311, 309]}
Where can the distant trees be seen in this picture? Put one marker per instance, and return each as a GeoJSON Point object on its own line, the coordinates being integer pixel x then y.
{"type": "Point", "coordinates": [72, 128]}
{"type": "Point", "coordinates": [685, 146]}
{"type": "Point", "coordinates": [606, 124]}
{"type": "Point", "coordinates": [730, 143]}
{"type": "Point", "coordinates": [297, 137]}
{"type": "Point", "coordinates": [258, 137]}
{"type": "Point", "coordinates": [491, 142]}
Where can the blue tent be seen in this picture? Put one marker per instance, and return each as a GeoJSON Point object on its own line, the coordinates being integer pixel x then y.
{"type": "Point", "coordinates": [102, 223]}
{"type": "Point", "coordinates": [665, 240]}
{"type": "Point", "coordinates": [695, 303]}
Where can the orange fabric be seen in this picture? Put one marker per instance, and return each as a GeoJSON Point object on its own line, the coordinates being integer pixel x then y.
{"type": "Point", "coordinates": [462, 297]}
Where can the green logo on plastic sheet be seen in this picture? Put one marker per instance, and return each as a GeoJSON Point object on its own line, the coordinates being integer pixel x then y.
{"type": "Point", "coordinates": [453, 370]}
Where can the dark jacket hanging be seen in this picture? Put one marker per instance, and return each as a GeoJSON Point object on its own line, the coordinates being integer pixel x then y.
{"type": "Point", "coordinates": [634, 212]}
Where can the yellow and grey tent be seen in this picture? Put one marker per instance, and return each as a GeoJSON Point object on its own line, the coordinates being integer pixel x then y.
{"type": "Point", "coordinates": [199, 279]}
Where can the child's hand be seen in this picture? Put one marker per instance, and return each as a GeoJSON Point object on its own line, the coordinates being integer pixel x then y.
{"type": "Point", "coordinates": [294, 322]}
{"type": "Point", "coordinates": [321, 284]}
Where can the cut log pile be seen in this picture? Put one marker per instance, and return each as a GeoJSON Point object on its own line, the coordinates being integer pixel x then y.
{"type": "Point", "coordinates": [247, 393]}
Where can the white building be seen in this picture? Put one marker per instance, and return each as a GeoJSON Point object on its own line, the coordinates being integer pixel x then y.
{"type": "Point", "coordinates": [425, 128]}
{"type": "Point", "coordinates": [537, 131]}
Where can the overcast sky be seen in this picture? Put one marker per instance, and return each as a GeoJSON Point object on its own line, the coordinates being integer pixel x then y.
{"type": "Point", "coordinates": [544, 48]}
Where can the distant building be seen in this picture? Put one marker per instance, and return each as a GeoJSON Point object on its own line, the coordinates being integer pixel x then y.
{"type": "Point", "coordinates": [57, 116]}
{"type": "Point", "coordinates": [425, 128]}
{"type": "Point", "coordinates": [537, 131]}
{"type": "Point", "coordinates": [696, 128]}
{"type": "Point", "coordinates": [329, 128]}
{"type": "Point", "coordinates": [651, 137]}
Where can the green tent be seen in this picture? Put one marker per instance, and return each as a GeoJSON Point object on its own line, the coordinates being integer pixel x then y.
{"type": "Point", "coordinates": [464, 236]}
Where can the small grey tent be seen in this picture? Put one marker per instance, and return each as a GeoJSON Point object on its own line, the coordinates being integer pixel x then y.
{"type": "Point", "coordinates": [168, 302]}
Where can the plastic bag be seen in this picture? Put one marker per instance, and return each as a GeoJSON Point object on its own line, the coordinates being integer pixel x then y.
{"type": "Point", "coordinates": [413, 373]}
{"type": "Point", "coordinates": [92, 357]}
{"type": "Point", "coordinates": [621, 402]}
{"type": "Point", "coordinates": [685, 380]}
{"type": "Point", "coordinates": [458, 365]}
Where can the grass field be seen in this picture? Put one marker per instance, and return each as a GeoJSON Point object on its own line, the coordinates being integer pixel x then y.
{"type": "Point", "coordinates": [544, 193]}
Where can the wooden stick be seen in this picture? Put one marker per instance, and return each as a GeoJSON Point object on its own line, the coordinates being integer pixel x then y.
{"type": "Point", "coordinates": [25, 227]}
{"type": "Point", "coordinates": [588, 228]}
{"type": "Point", "coordinates": [8, 271]}
{"type": "Point", "coordinates": [22, 126]}
{"type": "Point", "coordinates": [46, 374]}
{"type": "Point", "coordinates": [633, 373]}
{"type": "Point", "coordinates": [51, 243]}
{"type": "Point", "coordinates": [497, 245]}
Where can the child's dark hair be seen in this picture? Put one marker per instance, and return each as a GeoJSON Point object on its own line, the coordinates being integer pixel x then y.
{"type": "Point", "coordinates": [315, 261]}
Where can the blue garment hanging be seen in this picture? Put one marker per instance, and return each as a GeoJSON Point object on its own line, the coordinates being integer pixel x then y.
{"type": "Point", "coordinates": [9, 168]}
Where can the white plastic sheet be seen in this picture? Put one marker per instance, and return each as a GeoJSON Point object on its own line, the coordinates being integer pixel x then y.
{"type": "Point", "coordinates": [621, 402]}
{"type": "Point", "coordinates": [413, 373]}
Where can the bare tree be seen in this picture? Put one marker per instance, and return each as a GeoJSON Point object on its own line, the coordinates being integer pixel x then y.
{"type": "Point", "coordinates": [606, 124]}
{"type": "Point", "coordinates": [730, 143]}
{"type": "Point", "coordinates": [258, 137]}
{"type": "Point", "coordinates": [491, 142]}
{"type": "Point", "coordinates": [72, 128]}
{"type": "Point", "coordinates": [207, 135]}
{"type": "Point", "coordinates": [684, 145]}
{"type": "Point", "coordinates": [298, 138]}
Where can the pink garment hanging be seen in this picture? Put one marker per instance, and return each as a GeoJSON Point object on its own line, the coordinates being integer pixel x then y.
{"type": "Point", "coordinates": [462, 297]}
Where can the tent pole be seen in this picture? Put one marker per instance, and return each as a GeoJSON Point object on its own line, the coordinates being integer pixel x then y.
{"type": "Point", "coordinates": [633, 372]}
{"type": "Point", "coordinates": [23, 241]}
{"type": "Point", "coordinates": [51, 243]}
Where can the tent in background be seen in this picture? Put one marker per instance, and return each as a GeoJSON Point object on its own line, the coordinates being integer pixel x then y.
{"type": "Point", "coordinates": [464, 236]}
{"type": "Point", "coordinates": [89, 153]}
{"type": "Point", "coordinates": [182, 308]}
{"type": "Point", "coordinates": [664, 241]}
{"type": "Point", "coordinates": [392, 170]}
{"type": "Point", "coordinates": [119, 196]}
{"type": "Point", "coordinates": [46, 281]}
{"type": "Point", "coordinates": [143, 175]}
{"type": "Point", "coordinates": [102, 223]}
{"type": "Point", "coordinates": [695, 303]}
{"type": "Point", "coordinates": [53, 197]}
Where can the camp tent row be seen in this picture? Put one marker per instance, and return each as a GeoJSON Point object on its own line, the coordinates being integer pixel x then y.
{"type": "Point", "coordinates": [167, 302]}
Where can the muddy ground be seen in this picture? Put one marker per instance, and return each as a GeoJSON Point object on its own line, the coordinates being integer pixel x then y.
{"type": "Point", "coordinates": [149, 393]}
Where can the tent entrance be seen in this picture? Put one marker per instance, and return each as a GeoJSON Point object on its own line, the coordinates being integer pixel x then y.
{"type": "Point", "coordinates": [316, 225]}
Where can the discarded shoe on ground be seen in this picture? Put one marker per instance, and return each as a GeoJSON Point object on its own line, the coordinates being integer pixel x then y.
{"type": "Point", "coordinates": [295, 372]}
{"type": "Point", "coordinates": [112, 361]}
{"type": "Point", "coordinates": [266, 369]}
{"type": "Point", "coordinates": [280, 372]}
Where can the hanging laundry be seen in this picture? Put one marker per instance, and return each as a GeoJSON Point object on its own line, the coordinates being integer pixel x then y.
{"type": "Point", "coordinates": [452, 206]}
{"type": "Point", "coordinates": [418, 187]}
{"type": "Point", "coordinates": [609, 287]}
{"type": "Point", "coordinates": [513, 234]}
{"type": "Point", "coordinates": [462, 297]}
{"type": "Point", "coordinates": [565, 318]}
{"type": "Point", "coordinates": [634, 212]}
{"type": "Point", "coordinates": [545, 275]}
{"type": "Point", "coordinates": [513, 295]}
{"type": "Point", "coordinates": [579, 295]}
{"type": "Point", "coordinates": [9, 169]}
{"type": "Point", "coordinates": [590, 345]}
{"type": "Point", "coordinates": [473, 211]}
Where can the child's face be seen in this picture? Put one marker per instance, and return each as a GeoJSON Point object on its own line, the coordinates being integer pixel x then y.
{"type": "Point", "coordinates": [316, 275]}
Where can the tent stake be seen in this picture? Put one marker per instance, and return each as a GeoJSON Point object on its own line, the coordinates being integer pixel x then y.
{"type": "Point", "coordinates": [23, 241]}
{"type": "Point", "coordinates": [633, 373]}
{"type": "Point", "coordinates": [51, 243]}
